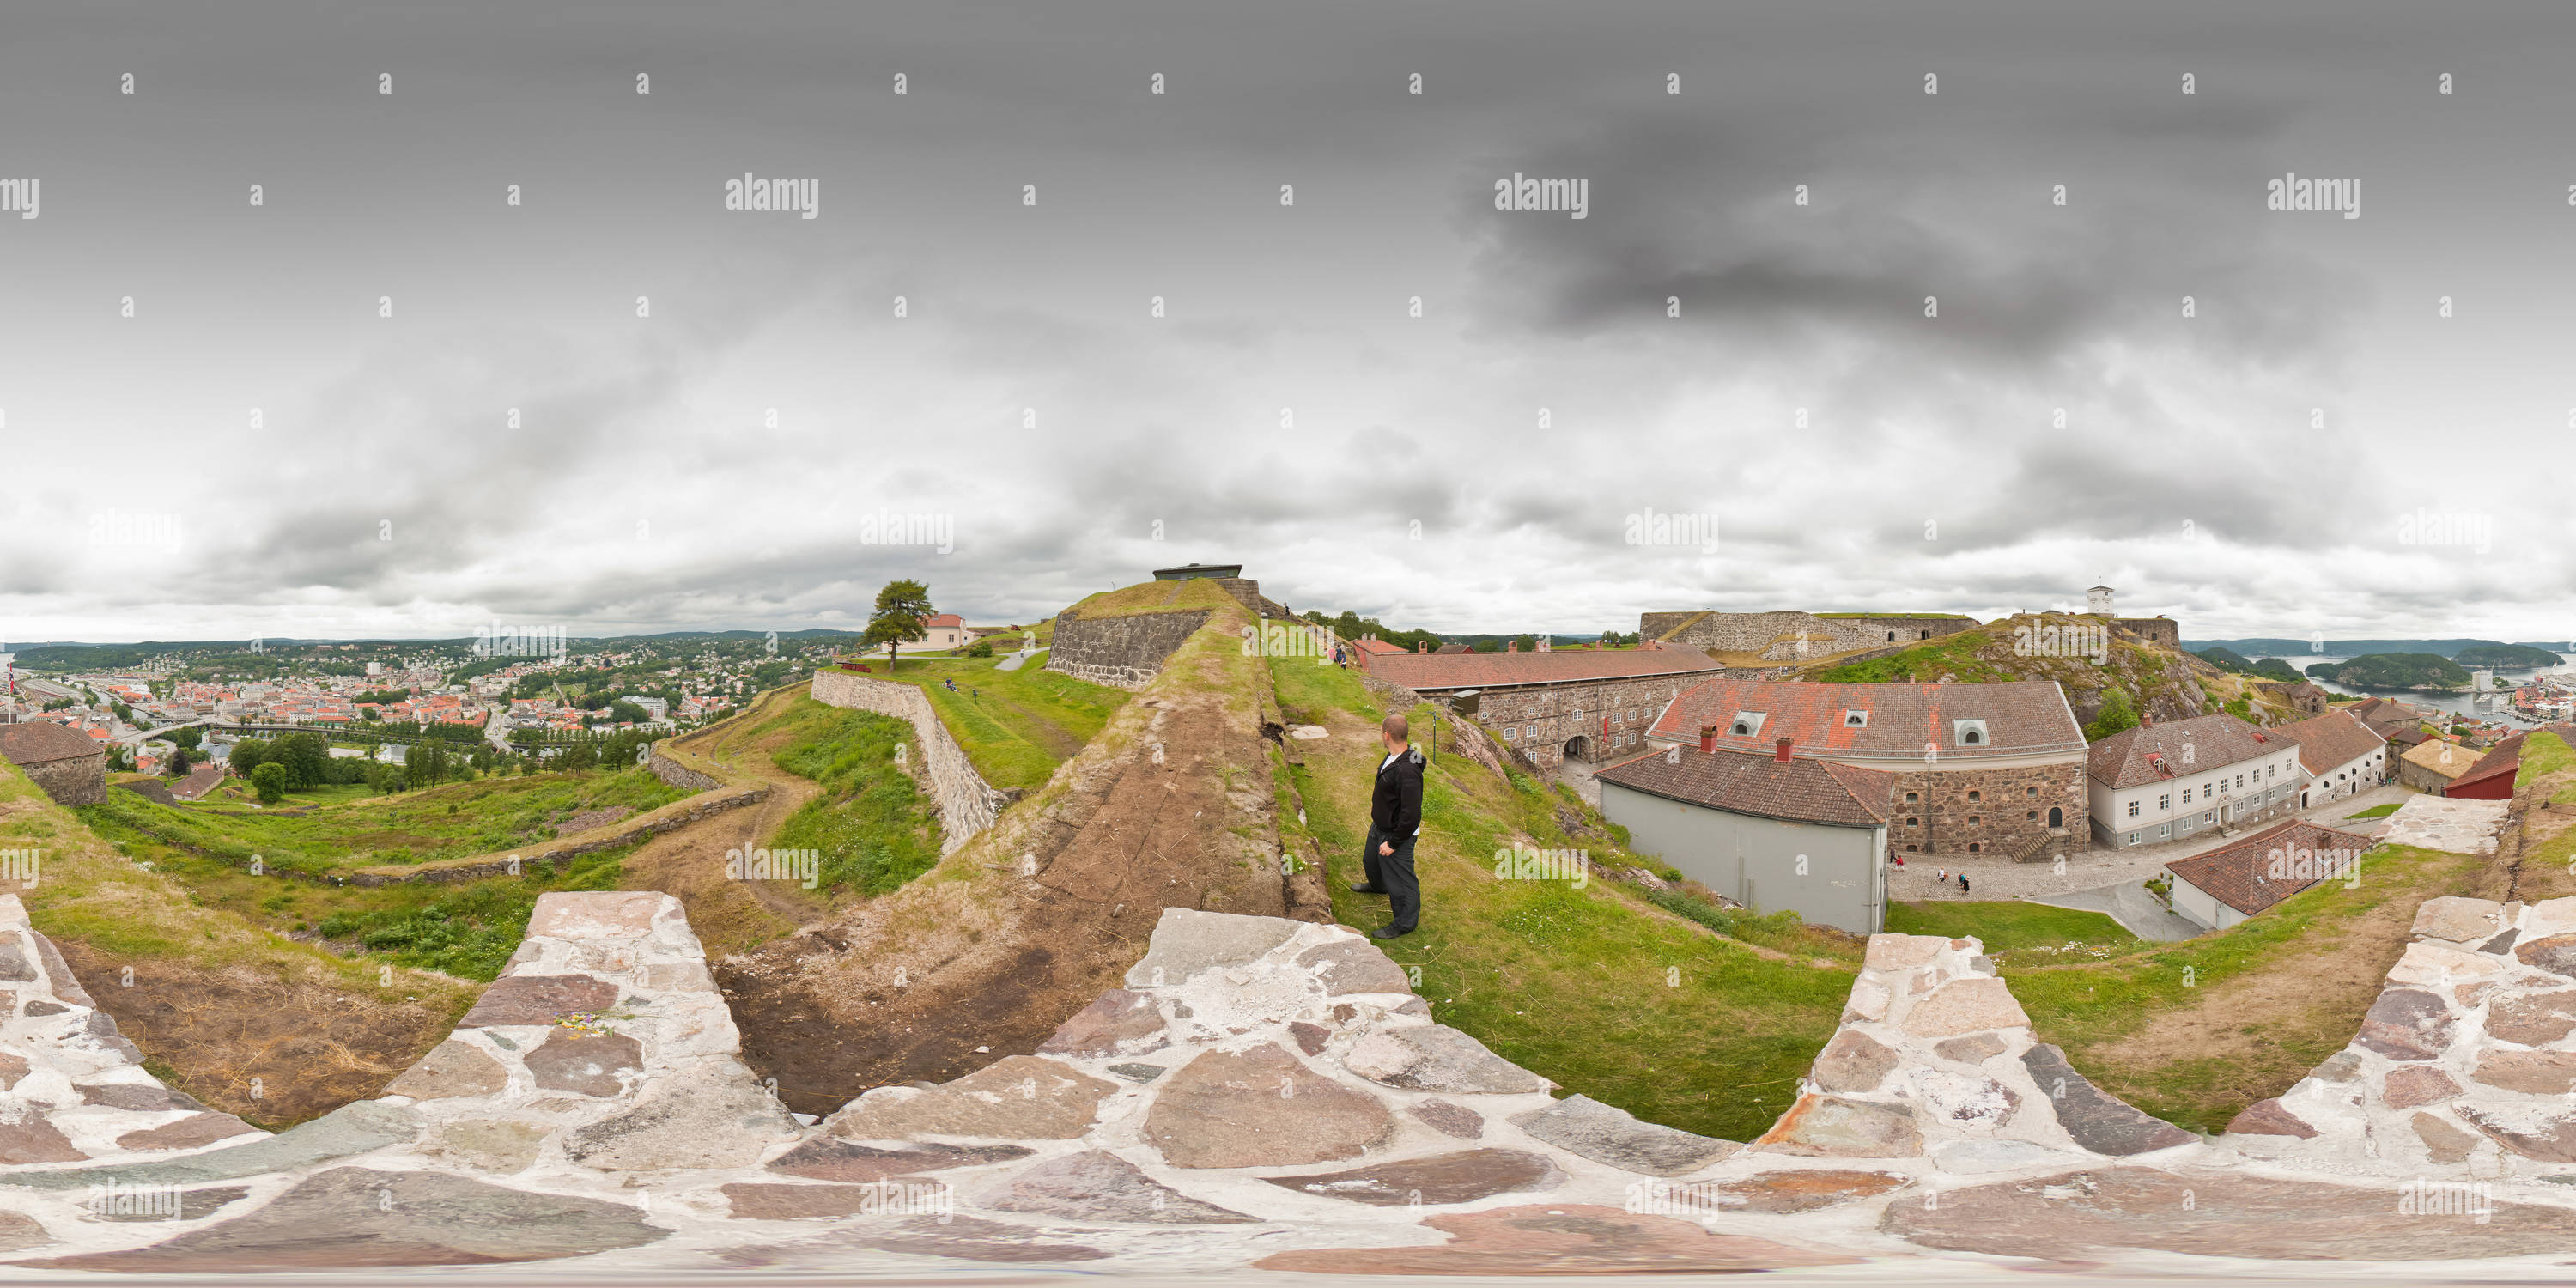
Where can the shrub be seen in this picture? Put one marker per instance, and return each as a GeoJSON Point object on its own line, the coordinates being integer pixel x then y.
{"type": "Point", "coordinates": [270, 781]}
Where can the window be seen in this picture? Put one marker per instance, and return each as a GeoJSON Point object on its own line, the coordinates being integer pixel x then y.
{"type": "Point", "coordinates": [1746, 724]}
{"type": "Point", "coordinates": [1976, 795]}
{"type": "Point", "coordinates": [2133, 809]}
{"type": "Point", "coordinates": [2186, 796]}
{"type": "Point", "coordinates": [2031, 817]}
{"type": "Point", "coordinates": [1969, 733]}
{"type": "Point", "coordinates": [1912, 797]}
{"type": "Point", "coordinates": [1511, 734]}
{"type": "Point", "coordinates": [2133, 838]}
{"type": "Point", "coordinates": [2030, 791]}
{"type": "Point", "coordinates": [1972, 821]}
{"type": "Point", "coordinates": [2164, 802]}
{"type": "Point", "coordinates": [1909, 849]}
{"type": "Point", "coordinates": [1855, 719]}
{"type": "Point", "coordinates": [2210, 817]}
{"type": "Point", "coordinates": [2164, 830]}
{"type": "Point", "coordinates": [1914, 822]}
{"type": "Point", "coordinates": [1972, 847]}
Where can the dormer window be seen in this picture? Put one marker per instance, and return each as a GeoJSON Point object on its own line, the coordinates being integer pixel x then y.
{"type": "Point", "coordinates": [1855, 719]}
{"type": "Point", "coordinates": [1970, 733]}
{"type": "Point", "coordinates": [1746, 724]}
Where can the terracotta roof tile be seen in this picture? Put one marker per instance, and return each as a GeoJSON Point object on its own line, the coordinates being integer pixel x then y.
{"type": "Point", "coordinates": [1804, 791]}
{"type": "Point", "coordinates": [2239, 873]}
{"type": "Point", "coordinates": [2331, 741]}
{"type": "Point", "coordinates": [2021, 717]}
{"type": "Point", "coordinates": [2131, 757]}
{"type": "Point", "coordinates": [37, 742]}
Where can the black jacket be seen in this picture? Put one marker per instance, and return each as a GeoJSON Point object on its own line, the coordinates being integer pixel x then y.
{"type": "Point", "coordinates": [1395, 808]}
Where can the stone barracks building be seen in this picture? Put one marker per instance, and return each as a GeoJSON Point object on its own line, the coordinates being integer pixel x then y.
{"type": "Point", "coordinates": [1789, 636]}
{"type": "Point", "coordinates": [71, 767]}
{"type": "Point", "coordinates": [1588, 704]}
{"type": "Point", "coordinates": [1977, 768]}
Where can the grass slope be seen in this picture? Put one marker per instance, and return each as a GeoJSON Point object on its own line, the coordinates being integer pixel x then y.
{"type": "Point", "coordinates": [364, 829]}
{"type": "Point", "coordinates": [223, 1006]}
{"type": "Point", "coordinates": [2035, 931]}
{"type": "Point", "coordinates": [871, 822]}
{"type": "Point", "coordinates": [1593, 987]}
{"type": "Point", "coordinates": [1017, 726]}
{"type": "Point", "coordinates": [2194, 1031]}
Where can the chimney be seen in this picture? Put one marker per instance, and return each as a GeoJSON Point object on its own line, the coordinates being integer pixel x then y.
{"type": "Point", "coordinates": [1511, 646]}
{"type": "Point", "coordinates": [1708, 739]}
{"type": "Point", "coordinates": [1780, 751]}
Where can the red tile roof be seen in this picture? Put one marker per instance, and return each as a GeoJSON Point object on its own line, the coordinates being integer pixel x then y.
{"type": "Point", "coordinates": [1803, 791]}
{"type": "Point", "coordinates": [944, 619]}
{"type": "Point", "coordinates": [2331, 741]}
{"type": "Point", "coordinates": [2135, 757]}
{"type": "Point", "coordinates": [1378, 646]}
{"type": "Point", "coordinates": [1440, 672]}
{"type": "Point", "coordinates": [2239, 873]}
{"type": "Point", "coordinates": [2022, 717]}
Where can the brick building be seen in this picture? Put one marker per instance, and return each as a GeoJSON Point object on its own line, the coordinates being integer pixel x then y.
{"type": "Point", "coordinates": [71, 767]}
{"type": "Point", "coordinates": [1590, 704]}
{"type": "Point", "coordinates": [1978, 768]}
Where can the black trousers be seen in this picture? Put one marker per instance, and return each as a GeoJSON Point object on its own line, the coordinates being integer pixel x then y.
{"type": "Point", "coordinates": [1393, 873]}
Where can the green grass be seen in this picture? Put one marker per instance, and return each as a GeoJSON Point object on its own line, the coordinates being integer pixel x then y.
{"type": "Point", "coordinates": [1016, 726]}
{"type": "Point", "coordinates": [1153, 597]}
{"type": "Point", "coordinates": [1954, 654]}
{"type": "Point", "coordinates": [2289, 955]}
{"type": "Point", "coordinates": [2013, 926]}
{"type": "Point", "coordinates": [356, 828]}
{"type": "Point", "coordinates": [1593, 987]}
{"type": "Point", "coordinates": [872, 825]}
{"type": "Point", "coordinates": [2546, 753]}
{"type": "Point", "coordinates": [2378, 811]}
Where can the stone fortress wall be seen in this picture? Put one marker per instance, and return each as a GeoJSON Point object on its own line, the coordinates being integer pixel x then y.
{"type": "Point", "coordinates": [1123, 652]}
{"type": "Point", "coordinates": [1762, 633]}
{"type": "Point", "coordinates": [967, 804]}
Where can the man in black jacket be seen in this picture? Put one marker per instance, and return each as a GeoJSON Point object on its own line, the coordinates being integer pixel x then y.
{"type": "Point", "coordinates": [1395, 819]}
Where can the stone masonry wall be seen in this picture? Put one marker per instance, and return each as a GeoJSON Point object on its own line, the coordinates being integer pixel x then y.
{"type": "Point", "coordinates": [679, 775]}
{"type": "Point", "coordinates": [1611, 716]}
{"type": "Point", "coordinates": [1124, 652]}
{"type": "Point", "coordinates": [1759, 632]}
{"type": "Point", "coordinates": [74, 780]}
{"type": "Point", "coordinates": [1944, 820]}
{"type": "Point", "coordinates": [967, 804]}
{"type": "Point", "coordinates": [2465, 1067]}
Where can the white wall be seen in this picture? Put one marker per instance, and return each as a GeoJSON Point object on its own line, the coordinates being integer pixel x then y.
{"type": "Point", "coordinates": [1754, 860]}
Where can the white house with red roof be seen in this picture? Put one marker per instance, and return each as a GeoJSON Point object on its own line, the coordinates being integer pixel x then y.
{"type": "Point", "coordinates": [2163, 782]}
{"type": "Point", "coordinates": [947, 630]}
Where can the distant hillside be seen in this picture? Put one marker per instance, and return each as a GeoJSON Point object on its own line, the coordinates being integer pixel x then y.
{"type": "Point", "coordinates": [2507, 655]}
{"type": "Point", "coordinates": [2270, 668]}
{"type": "Point", "coordinates": [2394, 671]}
{"type": "Point", "coordinates": [2132, 678]}
{"type": "Point", "coordinates": [2340, 648]}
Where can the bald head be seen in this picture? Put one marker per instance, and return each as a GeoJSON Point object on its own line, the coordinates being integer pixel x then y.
{"type": "Point", "coordinates": [1395, 729]}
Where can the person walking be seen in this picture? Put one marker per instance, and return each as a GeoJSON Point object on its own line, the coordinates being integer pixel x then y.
{"type": "Point", "coordinates": [1963, 883]}
{"type": "Point", "coordinates": [1942, 876]}
{"type": "Point", "coordinates": [1395, 822]}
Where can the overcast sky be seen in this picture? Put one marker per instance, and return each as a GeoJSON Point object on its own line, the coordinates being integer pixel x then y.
{"type": "Point", "coordinates": [2315, 449]}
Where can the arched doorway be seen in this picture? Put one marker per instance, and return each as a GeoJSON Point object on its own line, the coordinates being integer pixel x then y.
{"type": "Point", "coordinates": [1578, 747]}
{"type": "Point", "coordinates": [2056, 816]}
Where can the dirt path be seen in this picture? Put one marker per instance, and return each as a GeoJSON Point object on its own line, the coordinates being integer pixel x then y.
{"type": "Point", "coordinates": [689, 864]}
{"type": "Point", "coordinates": [1032, 920]}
